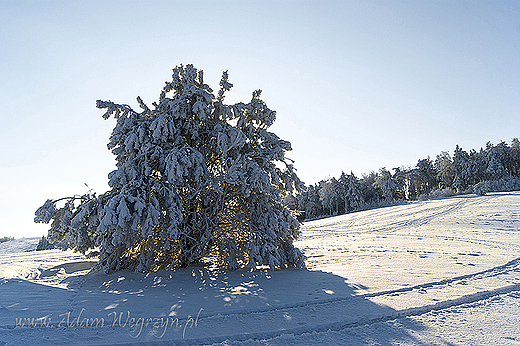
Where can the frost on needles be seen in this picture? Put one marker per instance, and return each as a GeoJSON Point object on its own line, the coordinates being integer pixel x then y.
{"type": "Point", "coordinates": [198, 182]}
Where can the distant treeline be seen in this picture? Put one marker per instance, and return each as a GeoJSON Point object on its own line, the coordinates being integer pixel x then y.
{"type": "Point", "coordinates": [4, 239]}
{"type": "Point", "coordinates": [494, 168]}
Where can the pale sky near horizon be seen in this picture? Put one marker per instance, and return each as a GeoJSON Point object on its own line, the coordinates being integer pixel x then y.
{"type": "Point", "coordinates": [357, 85]}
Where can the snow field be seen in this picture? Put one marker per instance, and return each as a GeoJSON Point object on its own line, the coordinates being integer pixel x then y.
{"type": "Point", "coordinates": [439, 272]}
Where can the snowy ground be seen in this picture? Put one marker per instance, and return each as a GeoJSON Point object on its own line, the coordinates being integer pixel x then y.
{"type": "Point", "coordinates": [440, 272]}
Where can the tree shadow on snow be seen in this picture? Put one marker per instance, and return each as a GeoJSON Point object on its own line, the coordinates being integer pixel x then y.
{"type": "Point", "coordinates": [284, 302]}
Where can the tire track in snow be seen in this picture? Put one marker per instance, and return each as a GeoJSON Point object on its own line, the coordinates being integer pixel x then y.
{"type": "Point", "coordinates": [341, 313]}
{"type": "Point", "coordinates": [352, 311]}
{"type": "Point", "coordinates": [485, 242]}
{"type": "Point", "coordinates": [430, 213]}
{"type": "Point", "coordinates": [346, 323]}
{"type": "Point", "coordinates": [511, 266]}
{"type": "Point", "coordinates": [405, 218]}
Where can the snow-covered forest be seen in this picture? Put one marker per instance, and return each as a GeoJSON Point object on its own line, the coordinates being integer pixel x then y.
{"type": "Point", "coordinates": [495, 168]}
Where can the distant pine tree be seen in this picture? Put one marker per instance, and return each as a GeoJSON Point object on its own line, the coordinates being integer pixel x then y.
{"type": "Point", "coordinates": [44, 244]}
{"type": "Point", "coordinates": [386, 184]}
{"type": "Point", "coordinates": [352, 192]}
{"type": "Point", "coordinates": [4, 239]}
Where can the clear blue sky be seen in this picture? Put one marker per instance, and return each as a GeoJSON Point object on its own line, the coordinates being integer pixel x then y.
{"type": "Point", "coordinates": [357, 85]}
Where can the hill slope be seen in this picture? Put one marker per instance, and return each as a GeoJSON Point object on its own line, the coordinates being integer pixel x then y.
{"type": "Point", "coordinates": [439, 272]}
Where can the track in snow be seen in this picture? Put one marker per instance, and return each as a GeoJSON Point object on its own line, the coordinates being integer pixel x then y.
{"type": "Point", "coordinates": [338, 313]}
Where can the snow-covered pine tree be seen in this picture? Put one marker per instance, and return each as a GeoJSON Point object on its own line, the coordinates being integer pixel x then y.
{"type": "Point", "coordinates": [478, 164]}
{"type": "Point", "coordinates": [515, 157]}
{"type": "Point", "coordinates": [386, 184]}
{"type": "Point", "coordinates": [495, 156]}
{"type": "Point", "coordinates": [462, 169]}
{"type": "Point", "coordinates": [444, 168]}
{"type": "Point", "coordinates": [426, 176]}
{"type": "Point", "coordinates": [351, 193]}
{"type": "Point", "coordinates": [329, 196]}
{"type": "Point", "coordinates": [458, 184]}
{"type": "Point", "coordinates": [310, 202]}
{"type": "Point", "coordinates": [197, 182]}
{"type": "Point", "coordinates": [44, 244]}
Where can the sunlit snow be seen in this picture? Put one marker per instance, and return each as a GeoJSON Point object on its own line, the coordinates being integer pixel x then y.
{"type": "Point", "coordinates": [439, 272]}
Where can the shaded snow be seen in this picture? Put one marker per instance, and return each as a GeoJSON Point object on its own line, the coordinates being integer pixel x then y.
{"type": "Point", "coordinates": [441, 272]}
